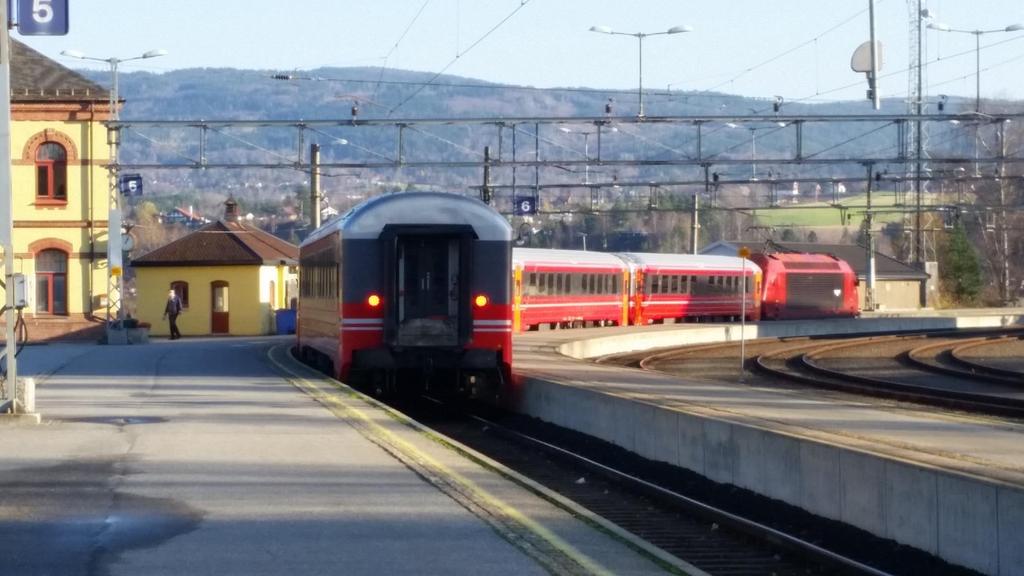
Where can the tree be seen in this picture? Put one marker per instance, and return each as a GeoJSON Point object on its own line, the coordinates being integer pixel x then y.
{"type": "Point", "coordinates": [960, 268]}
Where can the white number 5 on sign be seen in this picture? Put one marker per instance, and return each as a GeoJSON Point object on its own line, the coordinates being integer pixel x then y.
{"type": "Point", "coordinates": [42, 11]}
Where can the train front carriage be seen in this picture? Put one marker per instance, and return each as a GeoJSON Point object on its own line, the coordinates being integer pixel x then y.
{"type": "Point", "coordinates": [423, 293]}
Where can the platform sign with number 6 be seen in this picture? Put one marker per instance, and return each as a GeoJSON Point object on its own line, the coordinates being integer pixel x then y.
{"type": "Point", "coordinates": [43, 17]}
{"type": "Point", "coordinates": [524, 206]}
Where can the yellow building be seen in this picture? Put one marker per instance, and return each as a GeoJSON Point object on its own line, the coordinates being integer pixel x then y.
{"type": "Point", "coordinates": [231, 277]}
{"type": "Point", "coordinates": [60, 194]}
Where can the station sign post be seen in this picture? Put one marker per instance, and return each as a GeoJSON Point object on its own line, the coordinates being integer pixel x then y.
{"type": "Point", "coordinates": [743, 253]}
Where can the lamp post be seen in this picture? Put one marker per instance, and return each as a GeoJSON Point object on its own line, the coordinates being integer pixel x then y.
{"type": "Point", "coordinates": [977, 51]}
{"type": "Point", "coordinates": [640, 40]}
{"type": "Point", "coordinates": [586, 150]}
{"type": "Point", "coordinates": [753, 142]}
{"type": "Point", "coordinates": [114, 284]}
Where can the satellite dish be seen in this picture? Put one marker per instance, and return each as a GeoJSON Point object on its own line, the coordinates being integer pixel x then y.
{"type": "Point", "coordinates": [861, 60]}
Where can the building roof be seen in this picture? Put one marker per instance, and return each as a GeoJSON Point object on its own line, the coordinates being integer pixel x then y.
{"type": "Point", "coordinates": [36, 78]}
{"type": "Point", "coordinates": [886, 267]}
{"type": "Point", "coordinates": [223, 243]}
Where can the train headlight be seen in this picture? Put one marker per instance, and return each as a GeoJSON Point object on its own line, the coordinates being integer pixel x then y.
{"type": "Point", "coordinates": [373, 300]}
{"type": "Point", "coordinates": [480, 301]}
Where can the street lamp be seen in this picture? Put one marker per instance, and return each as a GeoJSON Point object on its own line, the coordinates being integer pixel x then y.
{"type": "Point", "coordinates": [640, 39]}
{"type": "Point", "coordinates": [753, 143]}
{"type": "Point", "coordinates": [114, 285]}
{"type": "Point", "coordinates": [941, 27]}
{"type": "Point", "coordinates": [586, 150]}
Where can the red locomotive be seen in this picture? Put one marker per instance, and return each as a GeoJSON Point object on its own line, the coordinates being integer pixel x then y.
{"type": "Point", "coordinates": [416, 285]}
{"type": "Point", "coordinates": [798, 286]}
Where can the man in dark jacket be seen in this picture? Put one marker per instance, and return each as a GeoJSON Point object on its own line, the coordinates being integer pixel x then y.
{"type": "Point", "coordinates": [171, 311]}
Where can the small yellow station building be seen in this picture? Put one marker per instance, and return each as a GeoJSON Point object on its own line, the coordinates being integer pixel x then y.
{"type": "Point", "coordinates": [231, 277]}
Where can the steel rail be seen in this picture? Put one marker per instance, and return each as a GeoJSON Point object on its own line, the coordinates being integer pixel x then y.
{"type": "Point", "coordinates": [733, 521]}
{"type": "Point", "coordinates": [917, 358]}
{"type": "Point", "coordinates": [956, 355]}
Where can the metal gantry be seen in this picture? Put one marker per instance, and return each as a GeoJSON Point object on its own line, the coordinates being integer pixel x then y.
{"type": "Point", "coordinates": [666, 151]}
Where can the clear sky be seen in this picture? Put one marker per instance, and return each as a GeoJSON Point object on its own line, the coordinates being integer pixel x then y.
{"type": "Point", "coordinates": [546, 43]}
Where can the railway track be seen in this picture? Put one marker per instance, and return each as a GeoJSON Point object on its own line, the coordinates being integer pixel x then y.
{"type": "Point", "coordinates": [719, 529]}
{"type": "Point", "coordinates": [934, 368]}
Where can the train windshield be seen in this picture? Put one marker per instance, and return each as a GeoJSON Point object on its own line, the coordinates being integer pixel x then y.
{"type": "Point", "coordinates": [428, 290]}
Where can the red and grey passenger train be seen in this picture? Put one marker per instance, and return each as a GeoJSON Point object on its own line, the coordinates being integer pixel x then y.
{"type": "Point", "coordinates": [409, 283]}
{"type": "Point", "coordinates": [428, 283]}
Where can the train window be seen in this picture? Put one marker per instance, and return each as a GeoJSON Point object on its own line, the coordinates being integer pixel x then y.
{"type": "Point", "coordinates": [674, 286]}
{"type": "Point", "coordinates": [583, 284]}
{"type": "Point", "coordinates": [591, 284]}
{"type": "Point", "coordinates": [533, 280]}
{"type": "Point", "coordinates": [558, 283]}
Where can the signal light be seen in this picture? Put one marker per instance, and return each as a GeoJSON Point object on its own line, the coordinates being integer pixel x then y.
{"type": "Point", "coordinates": [373, 300]}
{"type": "Point", "coordinates": [480, 301]}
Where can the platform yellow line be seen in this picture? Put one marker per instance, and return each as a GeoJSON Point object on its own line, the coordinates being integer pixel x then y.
{"type": "Point", "coordinates": [541, 544]}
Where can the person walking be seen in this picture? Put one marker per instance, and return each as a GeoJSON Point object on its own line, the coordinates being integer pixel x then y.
{"type": "Point", "coordinates": [171, 311]}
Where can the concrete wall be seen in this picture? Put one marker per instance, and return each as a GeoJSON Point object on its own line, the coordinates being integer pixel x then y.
{"type": "Point", "coordinates": [650, 339]}
{"type": "Point", "coordinates": [968, 521]}
{"type": "Point", "coordinates": [974, 522]}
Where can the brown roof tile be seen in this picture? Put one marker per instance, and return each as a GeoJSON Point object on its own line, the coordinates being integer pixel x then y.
{"type": "Point", "coordinates": [35, 77]}
{"type": "Point", "coordinates": [222, 244]}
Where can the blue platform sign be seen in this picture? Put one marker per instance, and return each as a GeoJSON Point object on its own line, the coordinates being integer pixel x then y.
{"type": "Point", "coordinates": [43, 17]}
{"type": "Point", "coordinates": [525, 206]}
{"type": "Point", "coordinates": [130, 184]}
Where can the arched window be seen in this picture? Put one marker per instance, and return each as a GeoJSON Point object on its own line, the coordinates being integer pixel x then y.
{"type": "Point", "coordinates": [51, 172]}
{"type": "Point", "coordinates": [52, 282]}
{"type": "Point", "coordinates": [180, 288]}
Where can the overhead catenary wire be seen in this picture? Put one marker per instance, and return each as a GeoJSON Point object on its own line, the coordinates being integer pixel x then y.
{"type": "Point", "coordinates": [788, 51]}
{"type": "Point", "coordinates": [522, 4]}
{"type": "Point", "coordinates": [397, 42]}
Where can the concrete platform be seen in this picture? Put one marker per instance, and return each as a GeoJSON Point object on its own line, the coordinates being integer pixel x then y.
{"type": "Point", "coordinates": [222, 456]}
{"type": "Point", "coordinates": [952, 485]}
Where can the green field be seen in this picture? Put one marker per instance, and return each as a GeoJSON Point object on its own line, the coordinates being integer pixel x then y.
{"type": "Point", "coordinates": [819, 214]}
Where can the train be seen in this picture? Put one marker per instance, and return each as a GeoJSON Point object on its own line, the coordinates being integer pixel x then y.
{"type": "Point", "coordinates": [409, 290]}
{"type": "Point", "coordinates": [805, 286]}
{"type": "Point", "coordinates": [571, 288]}
{"type": "Point", "coordinates": [428, 285]}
